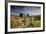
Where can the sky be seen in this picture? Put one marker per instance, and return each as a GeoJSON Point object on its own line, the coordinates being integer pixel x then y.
{"type": "Point", "coordinates": [31, 10]}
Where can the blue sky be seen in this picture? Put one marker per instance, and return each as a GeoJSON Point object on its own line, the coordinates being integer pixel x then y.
{"type": "Point", "coordinates": [31, 10]}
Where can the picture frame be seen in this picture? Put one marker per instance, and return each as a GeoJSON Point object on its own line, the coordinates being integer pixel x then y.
{"type": "Point", "coordinates": [14, 5]}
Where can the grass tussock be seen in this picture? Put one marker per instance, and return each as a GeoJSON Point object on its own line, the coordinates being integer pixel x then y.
{"type": "Point", "coordinates": [21, 22]}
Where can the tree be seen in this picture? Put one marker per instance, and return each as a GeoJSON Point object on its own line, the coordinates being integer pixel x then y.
{"type": "Point", "coordinates": [21, 15]}
{"type": "Point", "coordinates": [28, 15]}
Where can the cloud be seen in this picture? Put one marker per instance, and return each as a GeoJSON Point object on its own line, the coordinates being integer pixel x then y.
{"type": "Point", "coordinates": [31, 10]}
